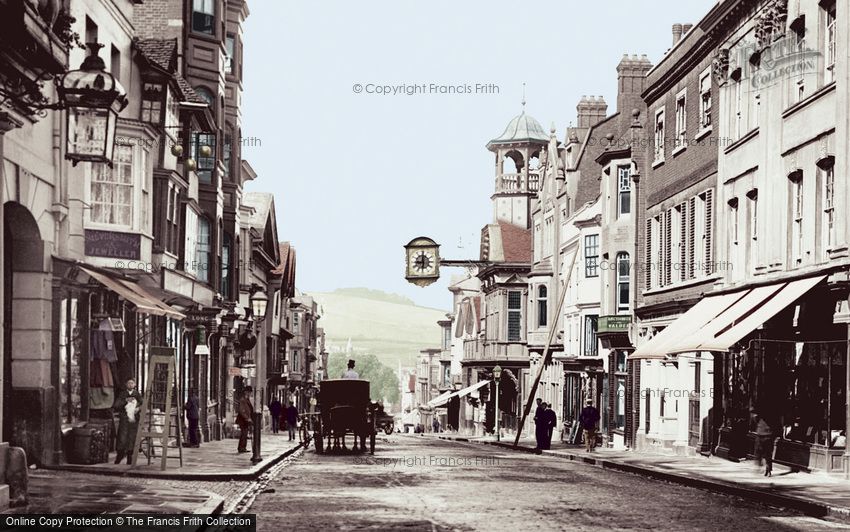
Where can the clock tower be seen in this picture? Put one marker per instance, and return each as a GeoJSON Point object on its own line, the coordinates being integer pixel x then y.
{"type": "Point", "coordinates": [517, 152]}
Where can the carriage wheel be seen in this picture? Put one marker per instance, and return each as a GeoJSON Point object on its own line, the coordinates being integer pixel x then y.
{"type": "Point", "coordinates": [372, 443]}
{"type": "Point", "coordinates": [388, 428]}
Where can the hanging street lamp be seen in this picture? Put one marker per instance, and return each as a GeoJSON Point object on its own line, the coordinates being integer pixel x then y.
{"type": "Point", "coordinates": [92, 98]}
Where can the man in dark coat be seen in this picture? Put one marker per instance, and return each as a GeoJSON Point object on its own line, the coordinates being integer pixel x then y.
{"type": "Point", "coordinates": [244, 418]}
{"type": "Point", "coordinates": [291, 420]}
{"type": "Point", "coordinates": [538, 423]}
{"type": "Point", "coordinates": [588, 419]}
{"type": "Point", "coordinates": [129, 405]}
{"type": "Point", "coordinates": [550, 420]}
{"type": "Point", "coordinates": [193, 415]}
{"type": "Point", "coordinates": [275, 408]}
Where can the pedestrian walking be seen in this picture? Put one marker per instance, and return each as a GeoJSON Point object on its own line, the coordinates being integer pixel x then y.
{"type": "Point", "coordinates": [550, 420]}
{"type": "Point", "coordinates": [192, 409]}
{"type": "Point", "coordinates": [275, 408]}
{"type": "Point", "coordinates": [764, 440]}
{"type": "Point", "coordinates": [291, 420]}
{"type": "Point", "coordinates": [538, 423]}
{"type": "Point", "coordinates": [129, 405]}
{"type": "Point", "coordinates": [244, 418]}
{"type": "Point", "coordinates": [588, 419]}
{"type": "Point", "coordinates": [435, 425]}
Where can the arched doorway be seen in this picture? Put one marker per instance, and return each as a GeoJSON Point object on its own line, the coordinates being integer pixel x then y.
{"type": "Point", "coordinates": [28, 394]}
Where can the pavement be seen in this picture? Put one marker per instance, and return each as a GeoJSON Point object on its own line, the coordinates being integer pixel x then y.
{"type": "Point", "coordinates": [214, 479]}
{"type": "Point", "coordinates": [416, 483]}
{"type": "Point", "coordinates": [213, 460]}
{"type": "Point", "coordinates": [815, 494]}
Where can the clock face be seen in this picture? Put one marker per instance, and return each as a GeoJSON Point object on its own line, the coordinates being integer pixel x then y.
{"type": "Point", "coordinates": [423, 262]}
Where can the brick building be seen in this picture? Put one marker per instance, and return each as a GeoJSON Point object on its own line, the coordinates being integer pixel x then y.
{"type": "Point", "coordinates": [676, 242]}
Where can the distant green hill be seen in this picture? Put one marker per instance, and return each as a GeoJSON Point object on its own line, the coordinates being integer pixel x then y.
{"type": "Point", "coordinates": [390, 326]}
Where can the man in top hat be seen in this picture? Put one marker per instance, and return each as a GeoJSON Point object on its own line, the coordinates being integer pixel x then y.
{"type": "Point", "coordinates": [350, 373]}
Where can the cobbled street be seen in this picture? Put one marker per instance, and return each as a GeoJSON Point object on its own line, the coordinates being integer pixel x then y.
{"type": "Point", "coordinates": [418, 483]}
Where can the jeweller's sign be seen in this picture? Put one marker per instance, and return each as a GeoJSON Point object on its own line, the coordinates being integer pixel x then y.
{"type": "Point", "coordinates": [112, 244]}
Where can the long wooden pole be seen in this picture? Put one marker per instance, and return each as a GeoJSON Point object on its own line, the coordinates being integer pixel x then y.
{"type": "Point", "coordinates": [553, 328]}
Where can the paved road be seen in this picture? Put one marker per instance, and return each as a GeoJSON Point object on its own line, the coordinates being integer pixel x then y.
{"type": "Point", "coordinates": [415, 483]}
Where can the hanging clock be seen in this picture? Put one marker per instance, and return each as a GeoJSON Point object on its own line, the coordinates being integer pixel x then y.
{"type": "Point", "coordinates": [423, 261]}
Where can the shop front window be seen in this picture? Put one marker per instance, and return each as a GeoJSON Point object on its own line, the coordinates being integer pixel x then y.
{"type": "Point", "coordinates": [798, 386]}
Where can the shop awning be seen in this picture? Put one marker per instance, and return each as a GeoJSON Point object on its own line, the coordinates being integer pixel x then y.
{"type": "Point", "coordinates": [716, 323]}
{"type": "Point", "coordinates": [685, 325]}
{"type": "Point", "coordinates": [441, 399]}
{"type": "Point", "coordinates": [760, 305]}
{"type": "Point", "coordinates": [446, 397]}
{"type": "Point", "coordinates": [135, 294]}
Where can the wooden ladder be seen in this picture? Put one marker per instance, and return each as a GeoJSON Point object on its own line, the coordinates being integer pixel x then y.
{"type": "Point", "coordinates": [159, 394]}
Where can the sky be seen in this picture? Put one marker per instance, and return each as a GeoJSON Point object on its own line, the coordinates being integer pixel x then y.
{"type": "Point", "coordinates": [357, 174]}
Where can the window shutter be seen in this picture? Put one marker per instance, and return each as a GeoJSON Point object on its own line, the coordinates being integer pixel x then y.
{"type": "Point", "coordinates": [648, 255]}
{"type": "Point", "coordinates": [683, 234]}
{"type": "Point", "coordinates": [692, 204]}
{"type": "Point", "coordinates": [659, 259]}
{"type": "Point", "coordinates": [668, 244]}
{"type": "Point", "coordinates": [709, 211]}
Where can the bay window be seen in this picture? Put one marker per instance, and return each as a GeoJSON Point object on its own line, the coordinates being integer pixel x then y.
{"type": "Point", "coordinates": [152, 103]}
{"type": "Point", "coordinates": [624, 190]}
{"type": "Point", "coordinates": [204, 248]}
{"type": "Point", "coordinates": [542, 306]}
{"type": "Point", "coordinates": [205, 165]}
{"type": "Point", "coordinates": [226, 247]}
{"type": "Point", "coordinates": [514, 316]}
{"type": "Point", "coordinates": [623, 284]}
{"type": "Point", "coordinates": [230, 47]}
{"type": "Point", "coordinates": [112, 189]}
{"type": "Point", "coordinates": [203, 16]}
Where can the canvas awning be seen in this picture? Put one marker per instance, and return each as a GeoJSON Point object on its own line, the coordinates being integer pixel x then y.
{"type": "Point", "coordinates": [446, 397]}
{"type": "Point", "coordinates": [135, 294]}
{"type": "Point", "coordinates": [686, 324]}
{"type": "Point", "coordinates": [716, 323]}
{"type": "Point", "coordinates": [441, 399]}
{"type": "Point", "coordinates": [748, 314]}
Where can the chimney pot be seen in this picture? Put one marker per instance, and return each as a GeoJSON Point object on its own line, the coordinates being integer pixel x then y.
{"type": "Point", "coordinates": [677, 33]}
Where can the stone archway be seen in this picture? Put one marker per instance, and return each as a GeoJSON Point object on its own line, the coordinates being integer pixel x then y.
{"type": "Point", "coordinates": [29, 413]}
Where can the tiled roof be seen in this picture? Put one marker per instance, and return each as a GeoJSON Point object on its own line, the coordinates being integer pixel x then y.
{"type": "Point", "coordinates": [287, 268]}
{"type": "Point", "coordinates": [160, 52]}
{"type": "Point", "coordinates": [516, 243]}
{"type": "Point", "coordinates": [188, 93]}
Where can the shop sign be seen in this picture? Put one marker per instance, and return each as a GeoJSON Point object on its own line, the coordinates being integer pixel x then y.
{"type": "Point", "coordinates": [113, 245]}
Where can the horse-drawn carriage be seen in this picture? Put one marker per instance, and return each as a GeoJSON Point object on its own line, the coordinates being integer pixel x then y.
{"type": "Point", "coordinates": [344, 408]}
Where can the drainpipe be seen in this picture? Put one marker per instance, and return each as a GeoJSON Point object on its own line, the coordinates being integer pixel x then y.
{"type": "Point", "coordinates": [60, 189]}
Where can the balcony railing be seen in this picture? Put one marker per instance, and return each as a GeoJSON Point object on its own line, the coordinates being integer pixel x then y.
{"type": "Point", "coordinates": [518, 182]}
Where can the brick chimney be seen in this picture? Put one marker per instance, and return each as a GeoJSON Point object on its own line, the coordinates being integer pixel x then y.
{"type": "Point", "coordinates": [631, 80]}
{"type": "Point", "coordinates": [591, 110]}
{"type": "Point", "coordinates": [677, 33]}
